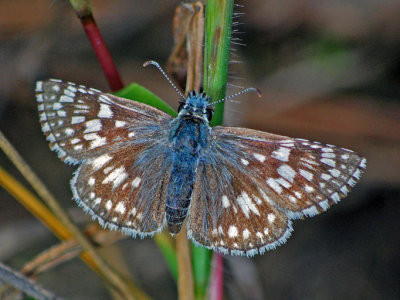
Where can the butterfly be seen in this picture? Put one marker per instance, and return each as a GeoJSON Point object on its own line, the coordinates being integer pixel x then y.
{"type": "Point", "coordinates": [141, 170]}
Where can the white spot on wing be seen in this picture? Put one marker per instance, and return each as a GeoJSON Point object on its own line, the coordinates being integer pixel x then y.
{"type": "Point", "coordinates": [281, 154]}
{"type": "Point", "coordinates": [69, 93]}
{"type": "Point", "coordinates": [97, 141]}
{"type": "Point", "coordinates": [55, 88]}
{"type": "Point", "coordinates": [328, 155]}
{"type": "Point", "coordinates": [244, 161]}
{"type": "Point", "coordinates": [116, 177]}
{"type": "Point", "coordinates": [93, 126]}
{"type": "Point", "coordinates": [307, 175]}
{"type": "Point", "coordinates": [57, 105]}
{"type": "Point", "coordinates": [357, 174]}
{"type": "Point", "coordinates": [75, 141]}
{"type": "Point", "coordinates": [326, 177]}
{"type": "Point", "coordinates": [259, 157]}
{"type": "Point", "coordinates": [100, 161]}
{"type": "Point", "coordinates": [39, 86]}
{"type": "Point", "coordinates": [324, 204]}
{"type": "Point", "coordinates": [120, 208]}
{"type": "Point", "coordinates": [334, 172]}
{"type": "Point", "coordinates": [335, 197]}
{"type": "Point", "coordinates": [105, 111]}
{"type": "Point", "coordinates": [66, 99]}
{"type": "Point", "coordinates": [274, 185]}
{"type": "Point", "coordinates": [97, 201]}
{"type": "Point", "coordinates": [91, 181]}
{"type": "Point", "coordinates": [77, 119]}
{"type": "Point", "coordinates": [61, 113]}
{"type": "Point", "coordinates": [283, 182]}
{"type": "Point", "coordinates": [232, 231]}
{"type": "Point", "coordinates": [309, 189]}
{"type": "Point", "coordinates": [108, 205]}
{"type": "Point", "coordinates": [246, 204]}
{"type": "Point", "coordinates": [136, 182]}
{"type": "Point", "coordinates": [120, 123]}
{"type": "Point", "coordinates": [225, 201]}
{"type": "Point", "coordinates": [45, 127]}
{"type": "Point", "coordinates": [329, 162]}
{"type": "Point", "coordinates": [363, 163]}
{"type": "Point", "coordinates": [286, 172]}
{"type": "Point", "coordinates": [271, 218]}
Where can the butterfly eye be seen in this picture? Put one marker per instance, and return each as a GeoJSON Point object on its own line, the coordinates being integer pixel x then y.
{"type": "Point", "coordinates": [181, 106]}
{"type": "Point", "coordinates": [209, 113]}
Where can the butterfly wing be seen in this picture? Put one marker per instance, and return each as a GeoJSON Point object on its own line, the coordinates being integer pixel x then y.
{"type": "Point", "coordinates": [250, 184]}
{"type": "Point", "coordinates": [126, 189]}
{"type": "Point", "coordinates": [121, 145]}
{"type": "Point", "coordinates": [80, 122]}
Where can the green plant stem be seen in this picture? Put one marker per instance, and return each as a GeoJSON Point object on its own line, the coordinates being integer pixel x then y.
{"type": "Point", "coordinates": [217, 51]}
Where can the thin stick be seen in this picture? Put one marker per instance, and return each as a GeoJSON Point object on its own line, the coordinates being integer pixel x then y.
{"type": "Point", "coordinates": [24, 284]}
{"type": "Point", "coordinates": [185, 278]}
{"type": "Point", "coordinates": [84, 13]}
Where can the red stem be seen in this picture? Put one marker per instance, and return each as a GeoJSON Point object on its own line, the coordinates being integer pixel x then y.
{"type": "Point", "coordinates": [102, 53]}
{"type": "Point", "coordinates": [217, 280]}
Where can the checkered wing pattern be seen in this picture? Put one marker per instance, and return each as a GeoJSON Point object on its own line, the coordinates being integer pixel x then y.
{"type": "Point", "coordinates": [119, 144]}
{"type": "Point", "coordinates": [251, 184]}
{"type": "Point", "coordinates": [80, 122]}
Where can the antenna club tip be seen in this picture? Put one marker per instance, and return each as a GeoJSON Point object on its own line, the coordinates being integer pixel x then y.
{"type": "Point", "coordinates": [150, 62]}
{"type": "Point", "coordinates": [259, 93]}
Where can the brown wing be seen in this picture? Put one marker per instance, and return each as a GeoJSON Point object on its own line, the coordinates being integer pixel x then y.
{"type": "Point", "coordinates": [250, 184]}
{"type": "Point", "coordinates": [80, 122]}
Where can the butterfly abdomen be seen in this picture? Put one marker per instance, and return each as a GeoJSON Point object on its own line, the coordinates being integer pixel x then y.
{"type": "Point", "coordinates": [188, 138]}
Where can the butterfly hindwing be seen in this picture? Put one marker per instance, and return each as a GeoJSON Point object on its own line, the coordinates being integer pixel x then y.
{"type": "Point", "coordinates": [262, 182]}
{"type": "Point", "coordinates": [126, 189]}
{"type": "Point", "coordinates": [230, 215]}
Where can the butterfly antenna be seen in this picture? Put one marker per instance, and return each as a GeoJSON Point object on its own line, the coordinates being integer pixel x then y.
{"type": "Point", "coordinates": [154, 63]}
{"type": "Point", "coordinates": [238, 94]}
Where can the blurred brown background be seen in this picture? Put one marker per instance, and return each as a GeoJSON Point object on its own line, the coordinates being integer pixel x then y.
{"type": "Point", "coordinates": [329, 71]}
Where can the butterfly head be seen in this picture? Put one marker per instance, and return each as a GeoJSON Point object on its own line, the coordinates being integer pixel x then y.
{"type": "Point", "coordinates": [196, 105]}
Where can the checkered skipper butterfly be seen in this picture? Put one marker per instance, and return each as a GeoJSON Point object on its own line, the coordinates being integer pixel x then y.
{"type": "Point", "coordinates": [142, 170]}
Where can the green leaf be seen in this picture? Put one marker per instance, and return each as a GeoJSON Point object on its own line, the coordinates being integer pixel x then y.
{"type": "Point", "coordinates": [168, 251]}
{"type": "Point", "coordinates": [201, 264]}
{"type": "Point", "coordinates": [139, 93]}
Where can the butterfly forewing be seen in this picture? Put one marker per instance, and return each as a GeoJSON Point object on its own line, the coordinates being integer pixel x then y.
{"type": "Point", "coordinates": [81, 122]}
{"type": "Point", "coordinates": [263, 181]}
